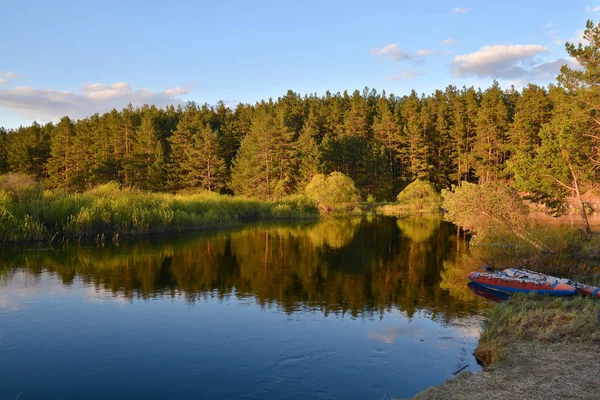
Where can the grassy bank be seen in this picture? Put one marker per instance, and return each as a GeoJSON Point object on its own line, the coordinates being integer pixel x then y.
{"type": "Point", "coordinates": [32, 214]}
{"type": "Point", "coordinates": [539, 348]}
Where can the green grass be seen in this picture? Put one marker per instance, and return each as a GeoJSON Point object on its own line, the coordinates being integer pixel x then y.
{"type": "Point", "coordinates": [35, 215]}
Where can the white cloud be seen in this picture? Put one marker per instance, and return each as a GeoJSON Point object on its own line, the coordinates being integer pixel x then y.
{"type": "Point", "coordinates": [497, 61]}
{"type": "Point", "coordinates": [391, 51]}
{"type": "Point", "coordinates": [458, 10]}
{"type": "Point", "coordinates": [544, 72]}
{"type": "Point", "coordinates": [426, 52]}
{"type": "Point", "coordinates": [51, 105]}
{"type": "Point", "coordinates": [548, 70]}
{"type": "Point", "coordinates": [7, 76]}
{"type": "Point", "coordinates": [394, 53]}
{"type": "Point", "coordinates": [449, 42]}
{"type": "Point", "coordinates": [10, 75]}
{"type": "Point", "coordinates": [589, 9]}
{"type": "Point", "coordinates": [404, 75]}
{"type": "Point", "coordinates": [578, 38]}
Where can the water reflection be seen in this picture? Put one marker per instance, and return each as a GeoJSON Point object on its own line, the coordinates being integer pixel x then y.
{"type": "Point", "coordinates": [342, 308]}
{"type": "Point", "coordinates": [353, 266]}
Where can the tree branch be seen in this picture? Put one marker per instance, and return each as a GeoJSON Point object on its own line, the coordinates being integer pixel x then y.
{"type": "Point", "coordinates": [559, 182]}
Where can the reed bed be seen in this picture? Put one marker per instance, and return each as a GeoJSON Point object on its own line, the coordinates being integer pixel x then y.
{"type": "Point", "coordinates": [107, 211]}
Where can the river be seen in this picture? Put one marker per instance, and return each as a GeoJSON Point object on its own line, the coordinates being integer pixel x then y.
{"type": "Point", "coordinates": [367, 308]}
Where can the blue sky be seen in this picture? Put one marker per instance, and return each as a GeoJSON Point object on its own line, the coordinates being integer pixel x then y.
{"type": "Point", "coordinates": [79, 57]}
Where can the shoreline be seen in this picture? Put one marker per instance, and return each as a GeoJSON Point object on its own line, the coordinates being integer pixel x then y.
{"type": "Point", "coordinates": [538, 348]}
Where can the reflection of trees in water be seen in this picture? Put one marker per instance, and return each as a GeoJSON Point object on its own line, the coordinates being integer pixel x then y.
{"type": "Point", "coordinates": [341, 266]}
{"type": "Point", "coordinates": [455, 270]}
{"type": "Point", "coordinates": [335, 233]}
{"type": "Point", "coordinates": [419, 229]}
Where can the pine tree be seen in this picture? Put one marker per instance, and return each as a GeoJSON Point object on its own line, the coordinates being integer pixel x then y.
{"type": "Point", "coordinates": [61, 162]}
{"type": "Point", "coordinates": [415, 149]}
{"type": "Point", "coordinates": [84, 164]}
{"type": "Point", "coordinates": [490, 147]}
{"type": "Point", "coordinates": [582, 84]}
{"type": "Point", "coordinates": [157, 170]}
{"type": "Point", "coordinates": [144, 151]}
{"type": "Point", "coordinates": [387, 130]}
{"type": "Point", "coordinates": [356, 118]}
{"type": "Point", "coordinates": [253, 172]}
{"type": "Point", "coordinates": [188, 127]}
{"type": "Point", "coordinates": [532, 110]}
{"type": "Point", "coordinates": [204, 161]}
{"type": "Point", "coordinates": [28, 149]}
{"type": "Point", "coordinates": [562, 164]}
{"type": "Point", "coordinates": [308, 155]}
{"type": "Point", "coordinates": [443, 156]}
{"type": "Point", "coordinates": [129, 122]}
{"type": "Point", "coordinates": [336, 109]}
{"type": "Point", "coordinates": [284, 156]}
{"type": "Point", "coordinates": [376, 176]}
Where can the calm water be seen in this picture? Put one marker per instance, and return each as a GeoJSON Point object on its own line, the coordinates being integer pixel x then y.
{"type": "Point", "coordinates": [346, 309]}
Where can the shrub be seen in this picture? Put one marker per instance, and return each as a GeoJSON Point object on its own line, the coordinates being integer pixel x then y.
{"type": "Point", "coordinates": [420, 196]}
{"type": "Point", "coordinates": [19, 186]}
{"type": "Point", "coordinates": [490, 211]}
{"type": "Point", "coordinates": [333, 192]}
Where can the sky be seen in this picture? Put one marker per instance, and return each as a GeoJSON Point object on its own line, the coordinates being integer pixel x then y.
{"type": "Point", "coordinates": [77, 58]}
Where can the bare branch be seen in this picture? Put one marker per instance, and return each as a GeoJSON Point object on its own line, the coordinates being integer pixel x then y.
{"type": "Point", "coordinates": [559, 182]}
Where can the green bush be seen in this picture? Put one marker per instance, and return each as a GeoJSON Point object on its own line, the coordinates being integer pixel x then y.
{"type": "Point", "coordinates": [420, 196]}
{"type": "Point", "coordinates": [333, 192]}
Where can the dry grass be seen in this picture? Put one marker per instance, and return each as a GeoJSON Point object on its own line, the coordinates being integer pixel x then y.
{"type": "Point", "coordinates": [531, 371]}
{"type": "Point", "coordinates": [538, 319]}
{"type": "Point", "coordinates": [539, 348]}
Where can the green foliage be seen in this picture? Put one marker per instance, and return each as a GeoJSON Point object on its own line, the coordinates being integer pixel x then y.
{"type": "Point", "coordinates": [492, 212]}
{"type": "Point", "coordinates": [265, 164]}
{"type": "Point", "coordinates": [420, 196]}
{"type": "Point", "coordinates": [61, 165]}
{"type": "Point", "coordinates": [333, 192]}
{"type": "Point", "coordinates": [562, 165]}
{"type": "Point", "coordinates": [27, 150]}
{"type": "Point", "coordinates": [204, 161]}
{"type": "Point", "coordinates": [3, 151]}
{"type": "Point", "coordinates": [27, 213]}
{"type": "Point", "coordinates": [491, 145]}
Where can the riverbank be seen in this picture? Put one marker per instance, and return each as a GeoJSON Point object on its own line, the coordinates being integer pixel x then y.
{"type": "Point", "coordinates": [537, 348]}
{"type": "Point", "coordinates": [108, 211]}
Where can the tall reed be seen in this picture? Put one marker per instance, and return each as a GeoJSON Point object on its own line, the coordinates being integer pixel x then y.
{"type": "Point", "coordinates": [32, 214]}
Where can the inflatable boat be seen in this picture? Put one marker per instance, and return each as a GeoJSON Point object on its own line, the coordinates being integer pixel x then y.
{"type": "Point", "coordinates": [504, 282]}
{"type": "Point", "coordinates": [585, 290]}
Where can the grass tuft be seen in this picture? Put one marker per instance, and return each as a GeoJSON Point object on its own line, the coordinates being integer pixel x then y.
{"type": "Point", "coordinates": [538, 319]}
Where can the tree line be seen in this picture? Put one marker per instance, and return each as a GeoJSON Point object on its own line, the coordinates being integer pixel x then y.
{"type": "Point", "coordinates": [273, 148]}
{"type": "Point", "coordinates": [541, 139]}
